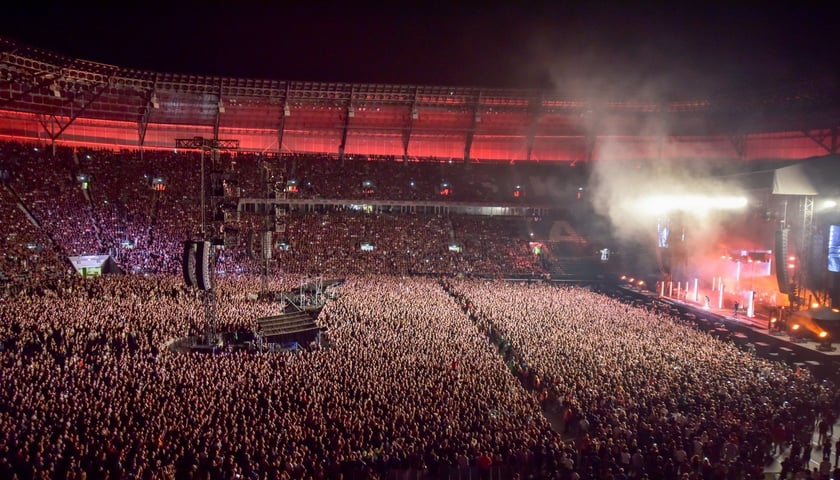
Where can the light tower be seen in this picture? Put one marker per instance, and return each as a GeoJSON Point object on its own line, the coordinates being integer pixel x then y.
{"type": "Point", "coordinates": [205, 257]}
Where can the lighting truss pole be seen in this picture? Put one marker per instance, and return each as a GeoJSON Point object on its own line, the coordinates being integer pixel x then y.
{"type": "Point", "coordinates": [806, 240]}
{"type": "Point", "coordinates": [205, 145]}
{"type": "Point", "coordinates": [213, 146]}
{"type": "Point", "coordinates": [267, 232]}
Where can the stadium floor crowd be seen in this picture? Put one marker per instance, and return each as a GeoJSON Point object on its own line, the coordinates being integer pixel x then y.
{"type": "Point", "coordinates": [419, 377]}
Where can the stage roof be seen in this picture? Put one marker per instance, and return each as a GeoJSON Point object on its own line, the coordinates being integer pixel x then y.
{"type": "Point", "coordinates": [815, 176]}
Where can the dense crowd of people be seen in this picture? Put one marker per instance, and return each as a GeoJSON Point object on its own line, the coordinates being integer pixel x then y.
{"type": "Point", "coordinates": [28, 254]}
{"type": "Point", "coordinates": [424, 370]}
{"type": "Point", "coordinates": [404, 383]}
{"type": "Point", "coordinates": [46, 185]}
{"type": "Point", "coordinates": [341, 242]}
{"type": "Point", "coordinates": [649, 394]}
{"type": "Point", "coordinates": [93, 392]}
{"type": "Point", "coordinates": [139, 210]}
{"type": "Point", "coordinates": [388, 178]}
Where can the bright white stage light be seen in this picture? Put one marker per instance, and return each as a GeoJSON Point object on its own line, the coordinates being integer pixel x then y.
{"type": "Point", "coordinates": [701, 204]}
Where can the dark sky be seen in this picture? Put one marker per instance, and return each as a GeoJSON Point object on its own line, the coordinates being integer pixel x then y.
{"type": "Point", "coordinates": [670, 51]}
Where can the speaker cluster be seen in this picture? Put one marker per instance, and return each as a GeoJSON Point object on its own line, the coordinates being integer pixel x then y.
{"type": "Point", "coordinates": [197, 264]}
{"type": "Point", "coordinates": [781, 251]}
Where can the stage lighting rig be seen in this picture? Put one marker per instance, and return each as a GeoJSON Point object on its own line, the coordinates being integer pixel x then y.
{"type": "Point", "coordinates": [205, 145]}
{"type": "Point", "coordinates": [824, 342]}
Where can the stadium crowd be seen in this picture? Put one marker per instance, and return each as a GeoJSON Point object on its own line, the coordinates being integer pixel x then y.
{"type": "Point", "coordinates": [406, 383]}
{"type": "Point", "coordinates": [28, 255]}
{"type": "Point", "coordinates": [92, 393]}
{"type": "Point", "coordinates": [416, 377]}
{"type": "Point", "coordinates": [387, 178]}
{"type": "Point", "coordinates": [649, 394]}
{"type": "Point", "coordinates": [332, 243]}
{"type": "Point", "coordinates": [140, 210]}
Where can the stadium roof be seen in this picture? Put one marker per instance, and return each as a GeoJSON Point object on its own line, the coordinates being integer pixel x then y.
{"type": "Point", "coordinates": [552, 103]}
{"type": "Point", "coordinates": [40, 81]}
{"type": "Point", "coordinates": [676, 52]}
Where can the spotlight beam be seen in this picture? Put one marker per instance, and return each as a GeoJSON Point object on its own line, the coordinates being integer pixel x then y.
{"type": "Point", "coordinates": [660, 204]}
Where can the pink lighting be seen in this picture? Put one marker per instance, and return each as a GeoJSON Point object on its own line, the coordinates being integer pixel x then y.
{"type": "Point", "coordinates": [436, 132]}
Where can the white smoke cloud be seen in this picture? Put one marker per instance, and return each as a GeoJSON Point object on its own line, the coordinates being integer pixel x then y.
{"type": "Point", "coordinates": [637, 156]}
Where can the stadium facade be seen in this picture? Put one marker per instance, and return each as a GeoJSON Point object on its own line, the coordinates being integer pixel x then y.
{"type": "Point", "coordinates": [55, 99]}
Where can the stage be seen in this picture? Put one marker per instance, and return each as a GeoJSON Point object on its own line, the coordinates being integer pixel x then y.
{"type": "Point", "coordinates": [752, 334]}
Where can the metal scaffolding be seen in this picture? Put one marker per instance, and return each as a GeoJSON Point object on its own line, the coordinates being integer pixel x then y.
{"type": "Point", "coordinates": [209, 296]}
{"type": "Point", "coordinates": [61, 91]}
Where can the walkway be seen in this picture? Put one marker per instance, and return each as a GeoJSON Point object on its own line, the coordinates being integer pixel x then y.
{"type": "Point", "coordinates": [775, 468]}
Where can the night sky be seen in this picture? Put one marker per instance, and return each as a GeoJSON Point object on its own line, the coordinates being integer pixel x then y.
{"type": "Point", "coordinates": [624, 51]}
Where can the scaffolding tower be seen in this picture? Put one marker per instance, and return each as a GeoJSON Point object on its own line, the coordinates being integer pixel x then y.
{"type": "Point", "coordinates": [213, 147]}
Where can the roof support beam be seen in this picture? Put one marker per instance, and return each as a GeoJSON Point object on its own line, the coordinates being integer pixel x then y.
{"type": "Point", "coordinates": [827, 139]}
{"type": "Point", "coordinates": [409, 125]}
{"type": "Point", "coordinates": [476, 119]}
{"type": "Point", "coordinates": [143, 121]}
{"type": "Point", "coordinates": [142, 126]}
{"type": "Point", "coordinates": [38, 80]}
{"type": "Point", "coordinates": [344, 129]}
{"type": "Point", "coordinates": [287, 112]}
{"type": "Point", "coordinates": [535, 113]}
{"type": "Point", "coordinates": [589, 142]}
{"type": "Point", "coordinates": [592, 124]}
{"type": "Point", "coordinates": [97, 92]}
{"type": "Point", "coordinates": [49, 123]}
{"type": "Point", "coordinates": [281, 128]}
{"type": "Point", "coordinates": [219, 111]}
{"type": "Point", "coordinates": [74, 114]}
{"type": "Point", "coordinates": [35, 85]}
{"type": "Point", "coordinates": [739, 143]}
{"type": "Point", "coordinates": [349, 113]}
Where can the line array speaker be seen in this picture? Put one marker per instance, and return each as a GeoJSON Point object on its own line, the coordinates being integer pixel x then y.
{"type": "Point", "coordinates": [781, 251]}
{"type": "Point", "coordinates": [188, 264]}
{"type": "Point", "coordinates": [204, 265]}
{"type": "Point", "coordinates": [266, 245]}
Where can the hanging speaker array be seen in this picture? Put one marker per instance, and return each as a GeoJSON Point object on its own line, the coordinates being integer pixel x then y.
{"type": "Point", "coordinates": [204, 267]}
{"type": "Point", "coordinates": [188, 264]}
{"type": "Point", "coordinates": [197, 265]}
{"type": "Point", "coordinates": [782, 271]}
{"type": "Point", "coordinates": [266, 245]}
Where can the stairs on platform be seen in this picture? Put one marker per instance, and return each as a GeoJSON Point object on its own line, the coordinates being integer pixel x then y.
{"type": "Point", "coordinates": [287, 325]}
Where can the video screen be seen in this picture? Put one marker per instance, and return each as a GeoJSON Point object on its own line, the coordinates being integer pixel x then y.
{"type": "Point", "coordinates": [834, 248]}
{"type": "Point", "coordinates": [663, 231]}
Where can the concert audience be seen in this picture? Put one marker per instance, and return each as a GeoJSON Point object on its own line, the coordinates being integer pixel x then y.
{"type": "Point", "coordinates": [406, 381]}
{"type": "Point", "coordinates": [645, 393]}
{"type": "Point", "coordinates": [48, 187]}
{"type": "Point", "coordinates": [456, 378]}
{"type": "Point", "coordinates": [96, 201]}
{"type": "Point", "coordinates": [92, 390]}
